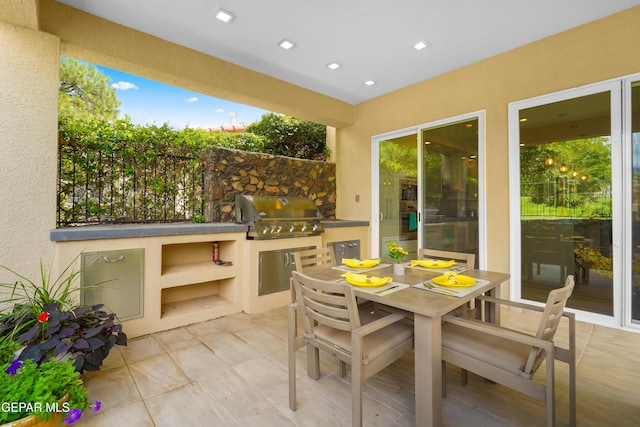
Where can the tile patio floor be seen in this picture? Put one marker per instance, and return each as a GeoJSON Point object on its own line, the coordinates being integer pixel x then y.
{"type": "Point", "coordinates": [232, 371]}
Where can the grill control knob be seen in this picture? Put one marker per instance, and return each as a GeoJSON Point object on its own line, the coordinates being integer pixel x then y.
{"type": "Point", "coordinates": [292, 228]}
{"type": "Point", "coordinates": [315, 227]}
{"type": "Point", "coordinates": [303, 228]}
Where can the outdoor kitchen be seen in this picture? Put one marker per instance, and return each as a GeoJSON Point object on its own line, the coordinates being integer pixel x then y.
{"type": "Point", "coordinates": [259, 209]}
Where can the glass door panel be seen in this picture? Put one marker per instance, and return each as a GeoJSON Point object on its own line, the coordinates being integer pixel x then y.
{"type": "Point", "coordinates": [398, 193]}
{"type": "Point", "coordinates": [635, 202]}
{"type": "Point", "coordinates": [450, 187]}
{"type": "Point", "coordinates": [566, 201]}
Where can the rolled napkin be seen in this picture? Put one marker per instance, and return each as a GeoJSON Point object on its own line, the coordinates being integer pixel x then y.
{"type": "Point", "coordinates": [432, 263]}
{"type": "Point", "coordinates": [360, 263]}
{"type": "Point", "coordinates": [366, 280]}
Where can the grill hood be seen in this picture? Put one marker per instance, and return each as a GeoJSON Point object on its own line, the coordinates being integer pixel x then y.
{"type": "Point", "coordinates": [272, 217]}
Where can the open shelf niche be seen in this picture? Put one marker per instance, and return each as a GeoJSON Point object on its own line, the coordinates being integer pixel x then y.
{"type": "Point", "coordinates": [190, 299]}
{"type": "Point", "coordinates": [191, 262]}
{"type": "Point", "coordinates": [192, 285]}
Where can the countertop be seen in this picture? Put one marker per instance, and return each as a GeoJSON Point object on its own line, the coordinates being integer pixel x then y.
{"type": "Point", "coordinates": [117, 231]}
{"type": "Point", "coordinates": [336, 223]}
{"type": "Point", "coordinates": [120, 231]}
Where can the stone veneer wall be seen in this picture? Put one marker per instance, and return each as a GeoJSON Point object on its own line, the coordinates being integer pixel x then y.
{"type": "Point", "coordinates": [230, 172]}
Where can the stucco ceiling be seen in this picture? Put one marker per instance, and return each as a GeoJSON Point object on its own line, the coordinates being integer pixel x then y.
{"type": "Point", "coordinates": [370, 39]}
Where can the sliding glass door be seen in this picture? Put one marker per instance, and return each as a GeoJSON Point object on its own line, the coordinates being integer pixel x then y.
{"type": "Point", "coordinates": [566, 149]}
{"type": "Point", "coordinates": [429, 181]}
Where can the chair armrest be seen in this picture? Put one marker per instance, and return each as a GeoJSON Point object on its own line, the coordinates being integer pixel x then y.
{"type": "Point", "coordinates": [378, 324]}
{"type": "Point", "coordinates": [499, 332]}
{"type": "Point", "coordinates": [571, 317]}
{"type": "Point", "coordinates": [495, 300]}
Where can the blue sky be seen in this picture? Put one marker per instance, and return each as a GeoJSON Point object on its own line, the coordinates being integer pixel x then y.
{"type": "Point", "coordinates": [148, 102]}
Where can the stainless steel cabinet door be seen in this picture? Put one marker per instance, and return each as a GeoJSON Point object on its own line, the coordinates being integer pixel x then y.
{"type": "Point", "coordinates": [275, 269]}
{"type": "Point", "coordinates": [113, 278]}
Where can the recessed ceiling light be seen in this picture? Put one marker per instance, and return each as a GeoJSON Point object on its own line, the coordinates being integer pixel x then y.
{"type": "Point", "coordinates": [224, 15]}
{"type": "Point", "coordinates": [421, 45]}
{"type": "Point", "coordinates": [333, 65]}
{"type": "Point", "coordinates": [286, 44]}
{"type": "Point", "coordinates": [369, 82]}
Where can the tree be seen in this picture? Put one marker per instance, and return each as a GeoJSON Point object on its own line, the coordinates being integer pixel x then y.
{"type": "Point", "coordinates": [85, 93]}
{"type": "Point", "coordinates": [288, 136]}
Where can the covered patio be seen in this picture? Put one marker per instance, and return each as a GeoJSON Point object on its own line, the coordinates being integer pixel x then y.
{"type": "Point", "coordinates": [232, 370]}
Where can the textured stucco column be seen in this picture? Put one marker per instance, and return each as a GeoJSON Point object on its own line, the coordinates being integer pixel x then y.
{"type": "Point", "coordinates": [28, 141]}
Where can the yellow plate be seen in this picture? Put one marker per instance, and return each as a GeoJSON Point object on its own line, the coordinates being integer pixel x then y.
{"type": "Point", "coordinates": [365, 280]}
{"type": "Point", "coordinates": [453, 280]}
{"type": "Point", "coordinates": [360, 263]}
{"type": "Point", "coordinates": [432, 263]}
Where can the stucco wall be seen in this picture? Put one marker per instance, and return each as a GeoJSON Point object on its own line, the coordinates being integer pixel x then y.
{"type": "Point", "coordinates": [594, 52]}
{"type": "Point", "coordinates": [28, 141]}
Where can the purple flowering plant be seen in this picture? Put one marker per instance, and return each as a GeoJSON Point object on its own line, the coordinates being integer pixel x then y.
{"type": "Point", "coordinates": [46, 342]}
{"type": "Point", "coordinates": [28, 388]}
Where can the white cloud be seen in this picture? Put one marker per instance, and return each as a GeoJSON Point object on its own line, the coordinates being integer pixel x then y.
{"type": "Point", "coordinates": [124, 86]}
{"type": "Point", "coordinates": [192, 99]}
{"type": "Point", "coordinates": [220, 110]}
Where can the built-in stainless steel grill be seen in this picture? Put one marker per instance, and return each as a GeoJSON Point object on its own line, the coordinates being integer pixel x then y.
{"type": "Point", "coordinates": [271, 217]}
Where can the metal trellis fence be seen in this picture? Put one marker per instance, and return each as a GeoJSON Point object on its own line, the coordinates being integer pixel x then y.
{"type": "Point", "coordinates": [124, 185]}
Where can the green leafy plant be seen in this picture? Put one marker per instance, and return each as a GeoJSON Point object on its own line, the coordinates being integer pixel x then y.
{"type": "Point", "coordinates": [47, 321]}
{"type": "Point", "coordinates": [26, 299]}
{"type": "Point", "coordinates": [28, 388]}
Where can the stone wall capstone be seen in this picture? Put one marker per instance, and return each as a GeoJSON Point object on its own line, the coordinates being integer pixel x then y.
{"type": "Point", "coordinates": [230, 172]}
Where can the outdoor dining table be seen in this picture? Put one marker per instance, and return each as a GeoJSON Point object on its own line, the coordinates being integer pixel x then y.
{"type": "Point", "coordinates": [428, 307]}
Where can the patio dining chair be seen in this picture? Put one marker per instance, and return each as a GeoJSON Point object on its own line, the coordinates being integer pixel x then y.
{"type": "Point", "coordinates": [314, 259]}
{"type": "Point", "coordinates": [310, 260]}
{"type": "Point", "coordinates": [367, 341]}
{"type": "Point", "coordinates": [462, 258]}
{"type": "Point", "coordinates": [511, 357]}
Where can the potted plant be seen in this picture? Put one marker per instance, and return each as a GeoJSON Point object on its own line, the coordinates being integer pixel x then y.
{"type": "Point", "coordinates": [397, 253]}
{"type": "Point", "coordinates": [45, 318]}
{"type": "Point", "coordinates": [46, 341]}
{"type": "Point", "coordinates": [35, 394]}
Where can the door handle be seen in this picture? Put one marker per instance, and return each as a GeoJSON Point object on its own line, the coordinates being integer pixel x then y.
{"type": "Point", "coordinates": [107, 259]}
